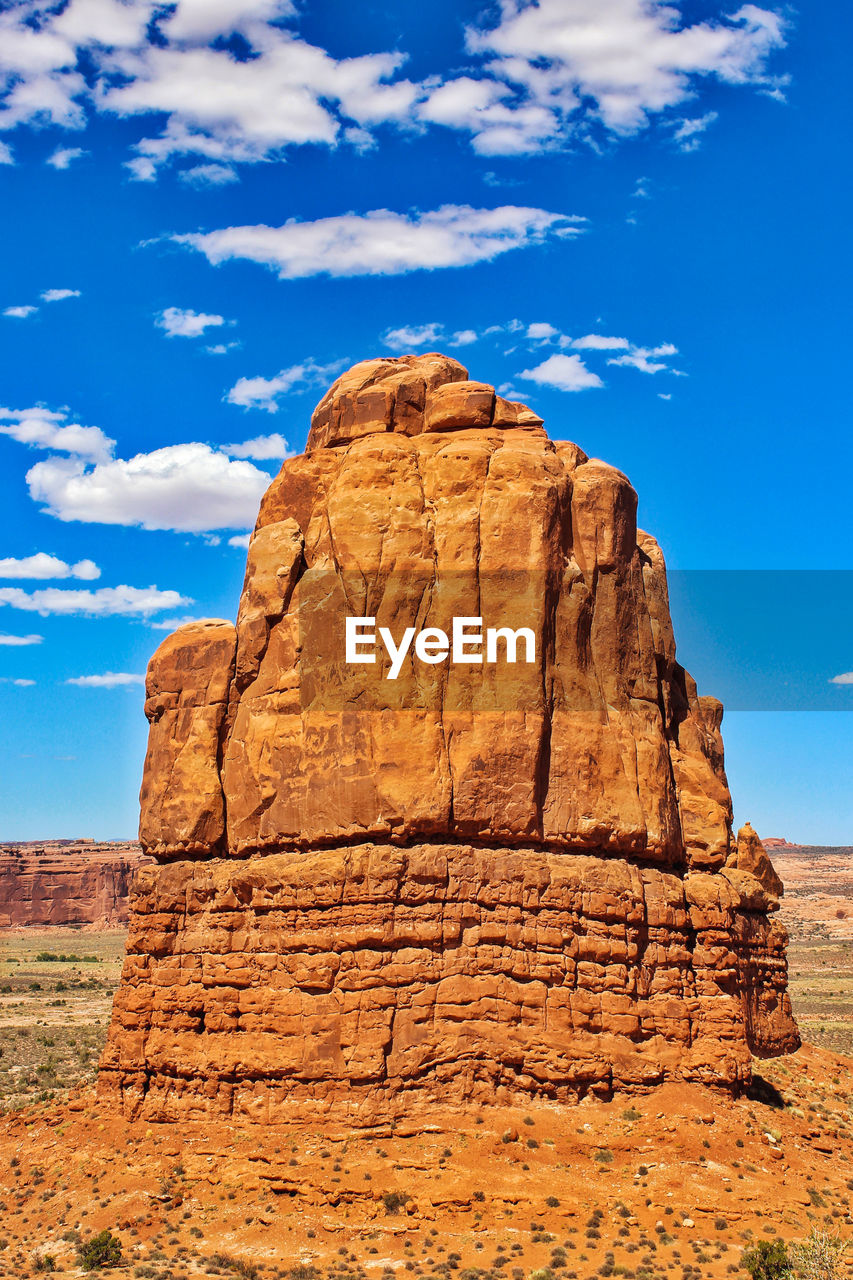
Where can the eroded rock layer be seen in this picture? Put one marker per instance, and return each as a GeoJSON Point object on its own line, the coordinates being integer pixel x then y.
{"type": "Point", "coordinates": [471, 875]}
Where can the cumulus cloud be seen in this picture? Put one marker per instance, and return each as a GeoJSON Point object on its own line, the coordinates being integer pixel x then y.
{"type": "Point", "coordinates": [190, 488]}
{"type": "Point", "coordinates": [240, 540]}
{"type": "Point", "coordinates": [19, 641]}
{"type": "Point", "coordinates": [21, 684]}
{"type": "Point", "coordinates": [64, 157]}
{"type": "Point", "coordinates": [44, 566]}
{"type": "Point", "coordinates": [382, 242]}
{"type": "Point", "coordinates": [615, 63]}
{"type": "Point", "coordinates": [59, 295]}
{"type": "Point", "coordinates": [42, 428]}
{"type": "Point", "coordinates": [106, 602]}
{"type": "Point", "coordinates": [178, 323]}
{"type": "Point", "coordinates": [567, 373]}
{"type": "Point", "coordinates": [271, 448]}
{"type": "Point", "coordinates": [265, 393]}
{"type": "Point", "coordinates": [109, 680]}
{"type": "Point", "coordinates": [20, 313]}
{"type": "Point", "coordinates": [846, 677]}
{"type": "Point", "coordinates": [535, 78]}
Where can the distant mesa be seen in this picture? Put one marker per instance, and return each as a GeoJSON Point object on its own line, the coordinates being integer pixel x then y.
{"type": "Point", "coordinates": [67, 883]}
{"type": "Point", "coordinates": [471, 883]}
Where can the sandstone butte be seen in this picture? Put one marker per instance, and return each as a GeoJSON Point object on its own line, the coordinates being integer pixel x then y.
{"type": "Point", "coordinates": [471, 883]}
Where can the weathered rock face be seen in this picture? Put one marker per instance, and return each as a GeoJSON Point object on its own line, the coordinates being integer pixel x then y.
{"type": "Point", "coordinates": [66, 882]}
{"type": "Point", "coordinates": [449, 875]}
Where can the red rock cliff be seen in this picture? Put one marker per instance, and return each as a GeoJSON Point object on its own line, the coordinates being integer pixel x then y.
{"type": "Point", "coordinates": [470, 877]}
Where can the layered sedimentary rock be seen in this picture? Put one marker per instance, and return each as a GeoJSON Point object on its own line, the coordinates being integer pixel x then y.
{"type": "Point", "coordinates": [384, 882]}
{"type": "Point", "coordinates": [66, 882]}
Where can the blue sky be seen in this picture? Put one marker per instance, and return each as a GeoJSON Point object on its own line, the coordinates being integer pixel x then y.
{"type": "Point", "coordinates": [627, 214]}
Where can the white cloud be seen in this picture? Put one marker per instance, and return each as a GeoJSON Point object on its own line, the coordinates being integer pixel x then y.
{"type": "Point", "coordinates": [19, 641]}
{"type": "Point", "coordinates": [106, 602]}
{"type": "Point", "coordinates": [616, 62]}
{"type": "Point", "coordinates": [44, 429]}
{"type": "Point", "coordinates": [186, 324]}
{"type": "Point", "coordinates": [646, 359]}
{"type": "Point", "coordinates": [64, 157]}
{"type": "Point", "coordinates": [567, 373]}
{"type": "Point", "coordinates": [22, 684]}
{"type": "Point", "coordinates": [20, 313]}
{"type": "Point", "coordinates": [599, 342]}
{"type": "Point", "coordinates": [541, 331]}
{"type": "Point", "coordinates": [409, 337]}
{"type": "Point", "coordinates": [688, 132]}
{"type": "Point", "coordinates": [637, 361]}
{"type": "Point", "coordinates": [209, 175]}
{"type": "Point", "coordinates": [543, 75]}
{"type": "Point", "coordinates": [264, 393]}
{"type": "Point", "coordinates": [109, 680]}
{"type": "Point", "coordinates": [383, 242]}
{"type": "Point", "coordinates": [664, 395]}
{"type": "Point", "coordinates": [172, 624]}
{"type": "Point", "coordinates": [190, 488]}
{"type": "Point", "coordinates": [240, 540]}
{"type": "Point", "coordinates": [463, 338]}
{"type": "Point", "coordinates": [6, 156]}
{"type": "Point", "coordinates": [846, 677]}
{"type": "Point", "coordinates": [59, 295]}
{"type": "Point", "coordinates": [271, 448]}
{"type": "Point", "coordinates": [44, 566]}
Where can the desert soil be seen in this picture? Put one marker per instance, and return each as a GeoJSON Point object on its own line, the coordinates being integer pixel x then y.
{"type": "Point", "coordinates": [677, 1183]}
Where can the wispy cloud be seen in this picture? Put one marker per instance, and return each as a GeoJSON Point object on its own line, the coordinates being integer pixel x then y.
{"type": "Point", "coordinates": [106, 602]}
{"type": "Point", "coordinates": [64, 157]}
{"type": "Point", "coordinates": [688, 132]}
{"type": "Point", "coordinates": [19, 641]}
{"type": "Point", "coordinates": [265, 393]}
{"type": "Point", "coordinates": [382, 242]}
{"type": "Point", "coordinates": [59, 295]}
{"type": "Point", "coordinates": [109, 680]}
{"type": "Point", "coordinates": [21, 684]}
{"type": "Point", "coordinates": [209, 175]}
{"type": "Point", "coordinates": [271, 448]}
{"type": "Point", "coordinates": [417, 337]}
{"type": "Point", "coordinates": [20, 313]}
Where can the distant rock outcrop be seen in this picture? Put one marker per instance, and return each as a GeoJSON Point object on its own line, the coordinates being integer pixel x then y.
{"type": "Point", "coordinates": [477, 875]}
{"type": "Point", "coordinates": [67, 882]}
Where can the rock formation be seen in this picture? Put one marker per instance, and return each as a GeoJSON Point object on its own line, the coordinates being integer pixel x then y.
{"type": "Point", "coordinates": [471, 880]}
{"type": "Point", "coordinates": [66, 882]}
